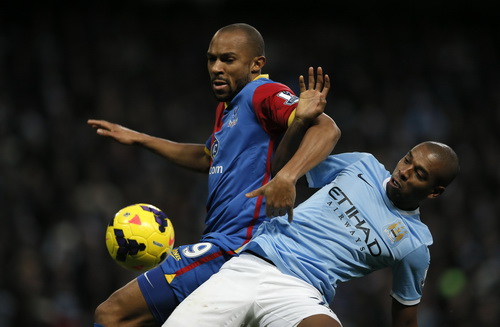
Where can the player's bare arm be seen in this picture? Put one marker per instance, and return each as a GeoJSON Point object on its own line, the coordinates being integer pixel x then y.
{"type": "Point", "coordinates": [309, 112]}
{"type": "Point", "coordinates": [188, 155]}
{"type": "Point", "coordinates": [309, 139]}
{"type": "Point", "coordinates": [119, 133]}
{"type": "Point", "coordinates": [404, 316]}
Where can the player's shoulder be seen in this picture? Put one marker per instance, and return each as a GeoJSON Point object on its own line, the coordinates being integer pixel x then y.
{"type": "Point", "coordinates": [354, 154]}
{"type": "Point", "coordinates": [368, 163]}
{"type": "Point", "coordinates": [274, 92]}
{"type": "Point", "coordinates": [267, 84]}
{"type": "Point", "coordinates": [264, 85]}
{"type": "Point", "coordinates": [349, 158]}
{"type": "Point", "coordinates": [366, 156]}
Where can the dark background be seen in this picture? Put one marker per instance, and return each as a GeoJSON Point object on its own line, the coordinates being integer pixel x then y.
{"type": "Point", "coordinates": [402, 73]}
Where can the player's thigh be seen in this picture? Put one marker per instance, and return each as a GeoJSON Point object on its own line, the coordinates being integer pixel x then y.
{"type": "Point", "coordinates": [285, 300]}
{"type": "Point", "coordinates": [225, 299]}
{"type": "Point", "coordinates": [127, 304]}
{"type": "Point", "coordinates": [157, 293]}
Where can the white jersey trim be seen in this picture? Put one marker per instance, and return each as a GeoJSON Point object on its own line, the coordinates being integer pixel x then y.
{"type": "Point", "coordinates": [404, 302]}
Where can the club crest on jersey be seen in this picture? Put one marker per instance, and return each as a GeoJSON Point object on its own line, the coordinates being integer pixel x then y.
{"type": "Point", "coordinates": [234, 117]}
{"type": "Point", "coordinates": [214, 149]}
{"type": "Point", "coordinates": [288, 97]}
{"type": "Point", "coordinates": [396, 232]}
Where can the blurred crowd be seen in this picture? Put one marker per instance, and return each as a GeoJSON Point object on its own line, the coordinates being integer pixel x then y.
{"type": "Point", "coordinates": [397, 80]}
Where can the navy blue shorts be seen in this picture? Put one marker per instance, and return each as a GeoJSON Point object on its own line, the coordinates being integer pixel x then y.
{"type": "Point", "coordinates": [186, 268]}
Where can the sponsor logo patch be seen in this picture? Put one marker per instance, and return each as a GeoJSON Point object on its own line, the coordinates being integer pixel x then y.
{"type": "Point", "coordinates": [288, 97]}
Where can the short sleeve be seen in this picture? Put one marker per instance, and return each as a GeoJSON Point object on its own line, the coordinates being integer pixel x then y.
{"type": "Point", "coordinates": [274, 103]}
{"type": "Point", "coordinates": [408, 276]}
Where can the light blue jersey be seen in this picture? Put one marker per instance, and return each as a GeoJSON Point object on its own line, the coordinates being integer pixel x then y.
{"type": "Point", "coordinates": [348, 229]}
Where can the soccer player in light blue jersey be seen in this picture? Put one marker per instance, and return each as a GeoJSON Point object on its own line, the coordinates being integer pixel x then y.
{"type": "Point", "coordinates": [362, 219]}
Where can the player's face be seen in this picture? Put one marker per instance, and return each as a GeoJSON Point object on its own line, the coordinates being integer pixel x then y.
{"type": "Point", "coordinates": [230, 64]}
{"type": "Point", "coordinates": [414, 178]}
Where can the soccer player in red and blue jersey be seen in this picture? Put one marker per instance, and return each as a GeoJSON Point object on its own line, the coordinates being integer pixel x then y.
{"type": "Point", "coordinates": [253, 114]}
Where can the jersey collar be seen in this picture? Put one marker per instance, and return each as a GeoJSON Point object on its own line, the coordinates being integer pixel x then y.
{"type": "Point", "coordinates": [256, 78]}
{"type": "Point", "coordinates": [261, 76]}
{"type": "Point", "coordinates": [390, 204]}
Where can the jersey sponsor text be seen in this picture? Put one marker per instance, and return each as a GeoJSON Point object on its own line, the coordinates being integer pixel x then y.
{"type": "Point", "coordinates": [216, 170]}
{"type": "Point", "coordinates": [352, 213]}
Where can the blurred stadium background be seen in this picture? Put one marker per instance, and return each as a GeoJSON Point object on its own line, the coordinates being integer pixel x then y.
{"type": "Point", "coordinates": [402, 73]}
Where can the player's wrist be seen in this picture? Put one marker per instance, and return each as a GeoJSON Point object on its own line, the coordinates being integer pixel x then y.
{"type": "Point", "coordinates": [287, 177]}
{"type": "Point", "coordinates": [145, 140]}
{"type": "Point", "coordinates": [303, 120]}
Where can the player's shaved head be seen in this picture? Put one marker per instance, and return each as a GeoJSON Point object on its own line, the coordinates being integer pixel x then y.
{"type": "Point", "coordinates": [253, 36]}
{"type": "Point", "coordinates": [447, 157]}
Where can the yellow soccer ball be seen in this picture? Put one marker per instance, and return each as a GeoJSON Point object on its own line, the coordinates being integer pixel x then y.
{"type": "Point", "coordinates": [140, 237]}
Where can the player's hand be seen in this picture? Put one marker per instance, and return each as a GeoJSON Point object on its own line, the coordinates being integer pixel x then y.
{"type": "Point", "coordinates": [119, 133]}
{"type": "Point", "coordinates": [280, 196]}
{"type": "Point", "coordinates": [312, 99]}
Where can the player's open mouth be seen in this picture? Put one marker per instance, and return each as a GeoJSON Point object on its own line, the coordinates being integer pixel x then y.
{"type": "Point", "coordinates": [219, 84]}
{"type": "Point", "coordinates": [394, 183]}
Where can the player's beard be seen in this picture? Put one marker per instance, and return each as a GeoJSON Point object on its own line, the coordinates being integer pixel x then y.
{"type": "Point", "coordinates": [232, 92]}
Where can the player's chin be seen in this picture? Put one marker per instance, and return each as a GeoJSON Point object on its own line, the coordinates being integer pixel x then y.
{"type": "Point", "coordinates": [393, 192]}
{"type": "Point", "coordinates": [222, 97]}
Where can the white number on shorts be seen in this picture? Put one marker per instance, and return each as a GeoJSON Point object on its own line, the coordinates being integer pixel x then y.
{"type": "Point", "coordinates": [196, 249]}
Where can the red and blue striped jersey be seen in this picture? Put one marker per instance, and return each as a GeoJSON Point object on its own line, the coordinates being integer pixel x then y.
{"type": "Point", "coordinates": [246, 134]}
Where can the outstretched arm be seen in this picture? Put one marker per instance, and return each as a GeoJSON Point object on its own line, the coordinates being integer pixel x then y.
{"type": "Point", "coordinates": [309, 139]}
{"type": "Point", "coordinates": [187, 155]}
{"type": "Point", "coordinates": [309, 115]}
{"type": "Point", "coordinates": [403, 316]}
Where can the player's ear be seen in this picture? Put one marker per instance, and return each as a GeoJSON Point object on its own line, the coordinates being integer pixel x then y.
{"type": "Point", "coordinates": [438, 190]}
{"type": "Point", "coordinates": [258, 63]}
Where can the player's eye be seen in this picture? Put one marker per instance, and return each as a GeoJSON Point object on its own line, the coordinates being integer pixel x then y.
{"type": "Point", "coordinates": [421, 175]}
{"type": "Point", "coordinates": [229, 58]}
{"type": "Point", "coordinates": [211, 58]}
